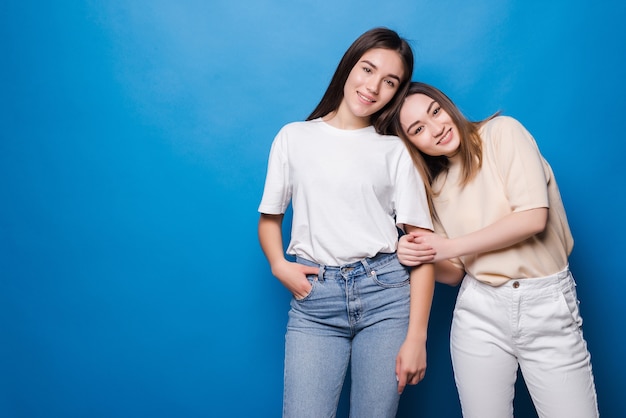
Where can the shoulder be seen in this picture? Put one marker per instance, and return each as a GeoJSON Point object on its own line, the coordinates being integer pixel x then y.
{"type": "Point", "coordinates": [390, 142]}
{"type": "Point", "coordinates": [505, 139]}
{"type": "Point", "coordinates": [298, 126]}
{"type": "Point", "coordinates": [389, 139]}
{"type": "Point", "coordinates": [503, 130]}
{"type": "Point", "coordinates": [297, 130]}
{"type": "Point", "coordinates": [501, 124]}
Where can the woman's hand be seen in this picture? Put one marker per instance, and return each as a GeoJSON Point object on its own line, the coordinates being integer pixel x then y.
{"type": "Point", "coordinates": [413, 250]}
{"type": "Point", "coordinates": [441, 248]}
{"type": "Point", "coordinates": [410, 364]}
{"type": "Point", "coordinates": [293, 277]}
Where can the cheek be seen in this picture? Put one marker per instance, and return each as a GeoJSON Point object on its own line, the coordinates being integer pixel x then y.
{"type": "Point", "coordinates": [349, 81]}
{"type": "Point", "coordinates": [388, 95]}
{"type": "Point", "coordinates": [419, 142]}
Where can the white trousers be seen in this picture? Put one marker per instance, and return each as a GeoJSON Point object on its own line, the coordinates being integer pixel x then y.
{"type": "Point", "coordinates": [533, 324]}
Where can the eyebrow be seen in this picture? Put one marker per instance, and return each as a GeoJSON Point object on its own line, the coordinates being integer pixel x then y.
{"type": "Point", "coordinates": [430, 106]}
{"type": "Point", "coordinates": [375, 67]}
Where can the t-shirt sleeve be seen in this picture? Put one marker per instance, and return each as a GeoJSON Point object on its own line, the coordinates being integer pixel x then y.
{"type": "Point", "coordinates": [277, 190]}
{"type": "Point", "coordinates": [411, 204]}
{"type": "Point", "coordinates": [519, 164]}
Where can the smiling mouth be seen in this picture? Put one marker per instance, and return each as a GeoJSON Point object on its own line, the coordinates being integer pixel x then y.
{"type": "Point", "coordinates": [367, 99]}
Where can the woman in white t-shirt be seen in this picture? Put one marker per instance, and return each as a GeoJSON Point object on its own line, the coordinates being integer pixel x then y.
{"type": "Point", "coordinates": [350, 188]}
{"type": "Point", "coordinates": [501, 228]}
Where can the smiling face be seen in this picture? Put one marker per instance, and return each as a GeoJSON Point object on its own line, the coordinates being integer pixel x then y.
{"type": "Point", "coordinates": [371, 84]}
{"type": "Point", "coordinates": [428, 126]}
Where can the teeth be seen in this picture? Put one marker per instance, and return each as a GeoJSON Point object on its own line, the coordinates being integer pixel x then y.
{"type": "Point", "coordinates": [444, 137]}
{"type": "Point", "coordinates": [365, 98]}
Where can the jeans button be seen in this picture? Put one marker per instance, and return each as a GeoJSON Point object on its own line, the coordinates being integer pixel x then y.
{"type": "Point", "coordinates": [515, 284]}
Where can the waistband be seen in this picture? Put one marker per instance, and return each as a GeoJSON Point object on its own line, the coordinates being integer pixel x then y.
{"type": "Point", "coordinates": [363, 266]}
{"type": "Point", "coordinates": [527, 283]}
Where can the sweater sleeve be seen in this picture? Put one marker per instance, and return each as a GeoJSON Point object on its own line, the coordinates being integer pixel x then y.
{"type": "Point", "coordinates": [519, 163]}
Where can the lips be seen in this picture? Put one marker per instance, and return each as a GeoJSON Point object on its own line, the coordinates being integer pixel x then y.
{"type": "Point", "coordinates": [365, 98]}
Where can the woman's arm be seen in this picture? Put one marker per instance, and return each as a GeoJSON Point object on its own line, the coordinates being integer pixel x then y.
{"type": "Point", "coordinates": [411, 359]}
{"type": "Point", "coordinates": [510, 230]}
{"type": "Point", "coordinates": [425, 247]}
{"type": "Point", "coordinates": [412, 253]}
{"type": "Point", "coordinates": [291, 275]}
{"type": "Point", "coordinates": [448, 273]}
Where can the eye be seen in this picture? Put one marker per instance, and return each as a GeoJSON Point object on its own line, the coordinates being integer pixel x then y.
{"type": "Point", "coordinates": [418, 130]}
{"type": "Point", "coordinates": [367, 69]}
{"type": "Point", "coordinates": [390, 83]}
{"type": "Point", "coordinates": [437, 110]}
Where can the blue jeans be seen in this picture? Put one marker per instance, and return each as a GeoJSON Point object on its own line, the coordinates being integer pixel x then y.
{"type": "Point", "coordinates": [356, 314]}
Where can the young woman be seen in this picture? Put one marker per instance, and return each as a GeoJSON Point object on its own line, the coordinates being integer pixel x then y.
{"type": "Point", "coordinates": [350, 189]}
{"type": "Point", "coordinates": [502, 230]}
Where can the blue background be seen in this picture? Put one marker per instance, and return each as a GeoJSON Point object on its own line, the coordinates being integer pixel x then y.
{"type": "Point", "coordinates": [133, 149]}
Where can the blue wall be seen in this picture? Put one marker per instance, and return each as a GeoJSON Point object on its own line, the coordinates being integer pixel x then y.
{"type": "Point", "coordinates": [134, 139]}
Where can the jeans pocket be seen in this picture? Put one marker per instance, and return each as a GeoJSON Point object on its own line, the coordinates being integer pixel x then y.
{"type": "Point", "coordinates": [466, 286]}
{"type": "Point", "coordinates": [312, 278]}
{"type": "Point", "coordinates": [570, 301]}
{"type": "Point", "coordinates": [392, 274]}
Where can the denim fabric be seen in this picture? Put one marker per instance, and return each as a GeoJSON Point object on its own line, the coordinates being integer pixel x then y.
{"type": "Point", "coordinates": [355, 315]}
{"type": "Point", "coordinates": [534, 324]}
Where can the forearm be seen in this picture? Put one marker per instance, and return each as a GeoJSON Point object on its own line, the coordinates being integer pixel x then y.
{"type": "Point", "coordinates": [447, 273]}
{"type": "Point", "coordinates": [508, 231]}
{"type": "Point", "coordinates": [291, 275]}
{"type": "Point", "coordinates": [422, 290]}
{"type": "Point", "coordinates": [270, 237]}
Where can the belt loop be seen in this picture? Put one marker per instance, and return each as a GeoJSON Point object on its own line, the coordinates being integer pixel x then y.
{"type": "Point", "coordinates": [366, 266]}
{"type": "Point", "coordinates": [320, 273]}
{"type": "Point", "coordinates": [563, 274]}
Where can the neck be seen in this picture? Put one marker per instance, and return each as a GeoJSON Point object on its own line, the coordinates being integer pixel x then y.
{"type": "Point", "coordinates": [455, 157]}
{"type": "Point", "coordinates": [344, 119]}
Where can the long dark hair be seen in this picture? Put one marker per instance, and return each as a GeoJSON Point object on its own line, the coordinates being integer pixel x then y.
{"type": "Point", "coordinates": [374, 38]}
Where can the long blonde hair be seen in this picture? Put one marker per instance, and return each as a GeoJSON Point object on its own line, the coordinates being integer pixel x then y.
{"type": "Point", "coordinates": [470, 149]}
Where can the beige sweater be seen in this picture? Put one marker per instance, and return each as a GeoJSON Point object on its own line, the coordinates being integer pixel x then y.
{"type": "Point", "coordinates": [514, 177]}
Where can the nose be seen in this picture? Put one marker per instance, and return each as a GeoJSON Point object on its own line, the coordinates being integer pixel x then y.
{"type": "Point", "coordinates": [437, 128]}
{"type": "Point", "coordinates": [373, 85]}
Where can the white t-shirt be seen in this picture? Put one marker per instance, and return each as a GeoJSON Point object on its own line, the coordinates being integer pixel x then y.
{"type": "Point", "coordinates": [348, 189]}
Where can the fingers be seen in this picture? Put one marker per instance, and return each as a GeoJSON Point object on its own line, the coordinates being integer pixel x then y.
{"type": "Point", "coordinates": [416, 248]}
{"type": "Point", "coordinates": [309, 269]}
{"type": "Point", "coordinates": [401, 382]}
{"type": "Point", "coordinates": [418, 377]}
{"type": "Point", "coordinates": [408, 375]}
{"type": "Point", "coordinates": [418, 244]}
{"type": "Point", "coordinates": [406, 238]}
{"type": "Point", "coordinates": [427, 257]}
{"type": "Point", "coordinates": [423, 253]}
{"type": "Point", "coordinates": [417, 257]}
{"type": "Point", "coordinates": [410, 379]}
